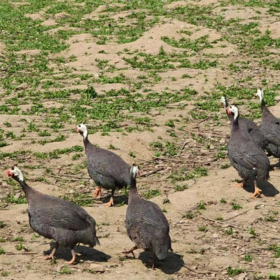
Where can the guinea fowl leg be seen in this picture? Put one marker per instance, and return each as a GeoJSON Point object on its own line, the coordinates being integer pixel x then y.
{"type": "Point", "coordinates": [111, 201]}
{"type": "Point", "coordinates": [97, 192]}
{"type": "Point", "coordinates": [241, 185]}
{"type": "Point", "coordinates": [257, 191]}
{"type": "Point", "coordinates": [154, 261]}
{"type": "Point", "coordinates": [73, 257]}
{"type": "Point", "coordinates": [130, 251]}
{"type": "Point", "coordinates": [51, 255]}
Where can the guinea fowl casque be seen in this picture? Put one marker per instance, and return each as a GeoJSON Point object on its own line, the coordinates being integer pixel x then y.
{"type": "Point", "coordinates": [107, 169]}
{"type": "Point", "coordinates": [247, 158]}
{"type": "Point", "coordinates": [246, 126]}
{"type": "Point", "coordinates": [57, 219]}
{"type": "Point", "coordinates": [270, 127]}
{"type": "Point", "coordinates": [145, 224]}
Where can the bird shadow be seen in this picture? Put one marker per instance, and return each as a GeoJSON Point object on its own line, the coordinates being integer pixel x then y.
{"type": "Point", "coordinates": [87, 253]}
{"type": "Point", "coordinates": [267, 189]}
{"type": "Point", "coordinates": [118, 200]}
{"type": "Point", "coordinates": [173, 262]}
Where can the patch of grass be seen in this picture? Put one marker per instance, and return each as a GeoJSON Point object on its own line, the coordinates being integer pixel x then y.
{"type": "Point", "coordinates": [223, 201]}
{"type": "Point", "coordinates": [234, 271]}
{"type": "Point", "coordinates": [179, 188]}
{"type": "Point", "coordinates": [229, 231]}
{"type": "Point", "coordinates": [151, 193]}
{"type": "Point", "coordinates": [236, 206]}
{"type": "Point", "coordinates": [65, 270]}
{"type": "Point", "coordinates": [203, 228]}
{"type": "Point", "coordinates": [274, 276]}
{"type": "Point", "coordinates": [248, 258]}
{"type": "Point", "coordinates": [275, 248]}
{"type": "Point", "coordinates": [11, 199]}
{"type": "Point", "coordinates": [188, 215]}
{"type": "Point", "coordinates": [2, 251]}
{"type": "Point", "coordinates": [182, 174]}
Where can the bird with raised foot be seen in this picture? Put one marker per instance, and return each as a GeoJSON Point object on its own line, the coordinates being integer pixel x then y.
{"type": "Point", "coordinates": [57, 219]}
{"type": "Point", "coordinates": [270, 126]}
{"type": "Point", "coordinates": [105, 168]}
{"type": "Point", "coordinates": [146, 224]}
{"type": "Point", "coordinates": [245, 156]}
{"type": "Point", "coordinates": [246, 126]}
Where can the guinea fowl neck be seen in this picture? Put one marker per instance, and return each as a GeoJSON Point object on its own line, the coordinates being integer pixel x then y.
{"type": "Point", "coordinates": [27, 190]}
{"type": "Point", "coordinates": [234, 120]}
{"type": "Point", "coordinates": [133, 189]}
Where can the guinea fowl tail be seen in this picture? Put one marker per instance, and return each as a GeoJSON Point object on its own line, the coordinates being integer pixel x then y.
{"type": "Point", "coordinates": [97, 241]}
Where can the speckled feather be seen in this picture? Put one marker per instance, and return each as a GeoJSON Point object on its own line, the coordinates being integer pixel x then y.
{"type": "Point", "coordinates": [249, 159]}
{"type": "Point", "coordinates": [146, 225]}
{"type": "Point", "coordinates": [106, 168]}
{"type": "Point", "coordinates": [63, 221]}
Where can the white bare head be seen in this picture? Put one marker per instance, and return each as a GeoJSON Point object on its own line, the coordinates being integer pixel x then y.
{"type": "Point", "coordinates": [134, 171]}
{"type": "Point", "coordinates": [223, 101]}
{"type": "Point", "coordinates": [234, 110]}
{"type": "Point", "coordinates": [82, 129]}
{"type": "Point", "coordinates": [15, 173]}
{"type": "Point", "coordinates": [259, 94]}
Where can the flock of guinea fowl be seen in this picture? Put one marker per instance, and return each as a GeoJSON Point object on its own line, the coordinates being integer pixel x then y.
{"type": "Point", "coordinates": [147, 227]}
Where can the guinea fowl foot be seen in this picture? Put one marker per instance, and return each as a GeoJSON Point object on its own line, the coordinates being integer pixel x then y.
{"type": "Point", "coordinates": [97, 192]}
{"type": "Point", "coordinates": [51, 255]}
{"type": "Point", "coordinates": [73, 257]}
{"type": "Point", "coordinates": [110, 203]}
{"type": "Point", "coordinates": [257, 192]}
{"type": "Point", "coordinates": [240, 185]}
{"type": "Point", "coordinates": [130, 251]}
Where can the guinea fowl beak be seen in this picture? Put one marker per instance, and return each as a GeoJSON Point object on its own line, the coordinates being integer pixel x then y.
{"type": "Point", "coordinates": [9, 173]}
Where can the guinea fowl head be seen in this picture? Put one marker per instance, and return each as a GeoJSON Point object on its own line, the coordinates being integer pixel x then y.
{"type": "Point", "coordinates": [223, 101]}
{"type": "Point", "coordinates": [259, 94]}
{"type": "Point", "coordinates": [82, 129]}
{"type": "Point", "coordinates": [232, 110]}
{"type": "Point", "coordinates": [134, 171]}
{"type": "Point", "coordinates": [15, 173]}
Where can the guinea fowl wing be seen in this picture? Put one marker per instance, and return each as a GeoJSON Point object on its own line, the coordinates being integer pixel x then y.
{"type": "Point", "coordinates": [60, 214]}
{"type": "Point", "coordinates": [246, 156]}
{"type": "Point", "coordinates": [109, 165]}
{"type": "Point", "coordinates": [272, 133]}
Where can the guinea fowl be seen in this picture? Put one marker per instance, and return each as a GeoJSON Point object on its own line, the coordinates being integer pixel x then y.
{"type": "Point", "coordinates": [145, 224]}
{"type": "Point", "coordinates": [54, 218]}
{"type": "Point", "coordinates": [270, 127]}
{"type": "Point", "coordinates": [247, 158]}
{"type": "Point", "coordinates": [247, 126]}
{"type": "Point", "coordinates": [106, 168]}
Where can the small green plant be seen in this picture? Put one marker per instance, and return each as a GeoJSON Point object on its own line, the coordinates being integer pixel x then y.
{"type": "Point", "coordinates": [188, 215]}
{"type": "Point", "coordinates": [229, 231]}
{"type": "Point", "coordinates": [151, 193]}
{"type": "Point", "coordinates": [219, 218]}
{"type": "Point", "coordinates": [202, 228]}
{"type": "Point", "coordinates": [248, 258]}
{"type": "Point", "coordinates": [170, 123]}
{"type": "Point", "coordinates": [2, 251]}
{"type": "Point", "coordinates": [201, 206]}
{"type": "Point", "coordinates": [165, 200]}
{"type": "Point", "coordinates": [271, 219]}
{"type": "Point", "coordinates": [223, 201]}
{"type": "Point", "coordinates": [65, 270]}
{"type": "Point", "coordinates": [4, 273]}
{"type": "Point", "coordinates": [274, 276]}
{"type": "Point", "coordinates": [234, 271]}
{"type": "Point", "coordinates": [252, 231]}
{"type": "Point", "coordinates": [236, 206]}
{"type": "Point", "coordinates": [132, 154]}
{"type": "Point", "coordinates": [179, 188]}
{"type": "Point", "coordinates": [19, 246]}
{"type": "Point", "coordinates": [2, 224]}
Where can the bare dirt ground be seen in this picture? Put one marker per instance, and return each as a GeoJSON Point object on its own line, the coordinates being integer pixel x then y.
{"type": "Point", "coordinates": [147, 79]}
